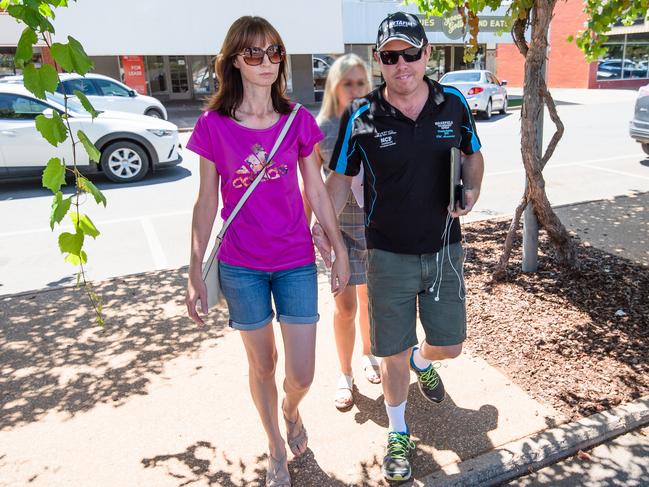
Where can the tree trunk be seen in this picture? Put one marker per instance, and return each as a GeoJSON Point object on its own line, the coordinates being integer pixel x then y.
{"type": "Point", "coordinates": [535, 94]}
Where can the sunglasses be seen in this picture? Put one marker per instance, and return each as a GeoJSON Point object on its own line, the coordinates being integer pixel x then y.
{"type": "Point", "coordinates": [254, 56]}
{"type": "Point", "coordinates": [409, 55]}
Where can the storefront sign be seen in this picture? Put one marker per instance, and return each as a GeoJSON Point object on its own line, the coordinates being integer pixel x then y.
{"type": "Point", "coordinates": [453, 26]}
{"type": "Point", "coordinates": [134, 75]}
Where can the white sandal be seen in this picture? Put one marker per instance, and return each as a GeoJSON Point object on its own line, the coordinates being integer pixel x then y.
{"type": "Point", "coordinates": [344, 399]}
{"type": "Point", "coordinates": [371, 368]}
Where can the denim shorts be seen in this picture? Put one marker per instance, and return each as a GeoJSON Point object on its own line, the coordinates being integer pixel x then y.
{"type": "Point", "coordinates": [248, 294]}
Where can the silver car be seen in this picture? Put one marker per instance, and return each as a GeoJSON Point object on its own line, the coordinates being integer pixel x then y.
{"type": "Point", "coordinates": [639, 126]}
{"type": "Point", "coordinates": [483, 91]}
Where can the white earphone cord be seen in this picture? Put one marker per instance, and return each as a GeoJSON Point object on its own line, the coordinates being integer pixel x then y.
{"type": "Point", "coordinates": [446, 242]}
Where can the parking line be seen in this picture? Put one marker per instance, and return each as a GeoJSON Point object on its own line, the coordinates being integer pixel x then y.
{"type": "Point", "coordinates": [158, 255]}
{"type": "Point", "coordinates": [97, 223]}
{"type": "Point", "coordinates": [614, 171]}
{"type": "Point", "coordinates": [567, 164]}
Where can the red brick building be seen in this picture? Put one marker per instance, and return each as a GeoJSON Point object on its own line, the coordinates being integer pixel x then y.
{"type": "Point", "coordinates": [626, 64]}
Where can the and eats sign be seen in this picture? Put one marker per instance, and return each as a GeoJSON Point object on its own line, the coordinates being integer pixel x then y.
{"type": "Point", "coordinates": [452, 26]}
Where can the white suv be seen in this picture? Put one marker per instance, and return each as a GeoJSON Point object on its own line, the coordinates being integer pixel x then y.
{"type": "Point", "coordinates": [130, 145]}
{"type": "Point", "coordinates": [105, 94]}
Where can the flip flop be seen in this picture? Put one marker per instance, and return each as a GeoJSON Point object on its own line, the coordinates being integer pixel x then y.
{"type": "Point", "coordinates": [277, 473]}
{"type": "Point", "coordinates": [344, 399]}
{"type": "Point", "coordinates": [371, 368]}
{"type": "Point", "coordinates": [301, 438]}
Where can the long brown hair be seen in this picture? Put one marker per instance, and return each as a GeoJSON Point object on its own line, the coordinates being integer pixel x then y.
{"type": "Point", "coordinates": [244, 33]}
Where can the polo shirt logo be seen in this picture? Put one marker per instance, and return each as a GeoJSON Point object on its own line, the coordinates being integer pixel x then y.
{"type": "Point", "coordinates": [444, 129]}
{"type": "Point", "coordinates": [386, 138]}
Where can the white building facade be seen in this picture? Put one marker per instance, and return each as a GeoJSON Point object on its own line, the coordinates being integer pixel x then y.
{"type": "Point", "coordinates": [166, 49]}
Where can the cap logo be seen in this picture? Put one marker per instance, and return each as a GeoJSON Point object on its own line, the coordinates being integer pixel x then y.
{"type": "Point", "coordinates": [403, 23]}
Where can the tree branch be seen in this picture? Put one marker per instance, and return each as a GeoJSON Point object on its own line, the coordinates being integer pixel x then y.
{"type": "Point", "coordinates": [558, 134]}
{"type": "Point", "coordinates": [501, 268]}
{"type": "Point", "coordinates": [518, 34]}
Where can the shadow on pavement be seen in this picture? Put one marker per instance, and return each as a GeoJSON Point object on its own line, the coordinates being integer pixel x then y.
{"type": "Point", "coordinates": [31, 187]}
{"type": "Point", "coordinates": [621, 461]}
{"type": "Point", "coordinates": [55, 359]}
{"type": "Point", "coordinates": [429, 426]}
{"type": "Point", "coordinates": [194, 465]}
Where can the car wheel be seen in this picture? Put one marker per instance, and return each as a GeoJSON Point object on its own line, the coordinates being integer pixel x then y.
{"type": "Point", "coordinates": [487, 113]}
{"type": "Point", "coordinates": [645, 148]}
{"type": "Point", "coordinates": [154, 112]}
{"type": "Point", "coordinates": [124, 162]}
{"type": "Point", "coordinates": [503, 110]}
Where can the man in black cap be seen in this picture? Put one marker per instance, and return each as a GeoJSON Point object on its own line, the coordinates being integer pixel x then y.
{"type": "Point", "coordinates": [402, 133]}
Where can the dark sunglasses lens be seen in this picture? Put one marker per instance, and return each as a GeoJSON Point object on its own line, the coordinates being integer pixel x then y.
{"type": "Point", "coordinates": [253, 57]}
{"type": "Point", "coordinates": [409, 55]}
{"type": "Point", "coordinates": [389, 57]}
{"type": "Point", "coordinates": [412, 54]}
{"type": "Point", "coordinates": [275, 54]}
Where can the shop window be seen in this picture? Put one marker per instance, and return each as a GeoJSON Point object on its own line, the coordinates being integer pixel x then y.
{"type": "Point", "coordinates": [7, 66]}
{"type": "Point", "coordinates": [203, 76]}
{"type": "Point", "coordinates": [627, 57]}
{"type": "Point", "coordinates": [156, 74]}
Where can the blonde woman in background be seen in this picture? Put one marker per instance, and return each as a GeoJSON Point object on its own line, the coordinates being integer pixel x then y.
{"type": "Point", "coordinates": [348, 78]}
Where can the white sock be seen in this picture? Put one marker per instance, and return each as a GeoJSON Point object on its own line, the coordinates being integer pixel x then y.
{"type": "Point", "coordinates": [420, 362]}
{"type": "Point", "coordinates": [397, 417]}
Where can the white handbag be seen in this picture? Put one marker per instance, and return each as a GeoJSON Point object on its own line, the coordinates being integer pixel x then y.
{"type": "Point", "coordinates": [211, 266]}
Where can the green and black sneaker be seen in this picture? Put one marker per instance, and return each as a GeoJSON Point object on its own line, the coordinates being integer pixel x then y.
{"type": "Point", "coordinates": [396, 466]}
{"type": "Point", "coordinates": [430, 383]}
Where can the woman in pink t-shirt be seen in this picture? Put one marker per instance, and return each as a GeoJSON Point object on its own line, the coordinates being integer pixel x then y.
{"type": "Point", "coordinates": [267, 253]}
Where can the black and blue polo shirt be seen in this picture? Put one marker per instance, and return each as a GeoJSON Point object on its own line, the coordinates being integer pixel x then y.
{"type": "Point", "coordinates": [407, 166]}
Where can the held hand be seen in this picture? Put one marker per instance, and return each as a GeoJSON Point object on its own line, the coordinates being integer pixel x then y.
{"type": "Point", "coordinates": [322, 243]}
{"type": "Point", "coordinates": [471, 197]}
{"type": "Point", "coordinates": [340, 274]}
{"type": "Point", "coordinates": [196, 291]}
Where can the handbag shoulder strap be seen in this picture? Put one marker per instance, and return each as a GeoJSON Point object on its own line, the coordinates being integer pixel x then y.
{"type": "Point", "coordinates": [261, 173]}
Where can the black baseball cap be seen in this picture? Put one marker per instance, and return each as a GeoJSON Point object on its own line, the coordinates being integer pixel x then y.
{"type": "Point", "coordinates": [401, 26]}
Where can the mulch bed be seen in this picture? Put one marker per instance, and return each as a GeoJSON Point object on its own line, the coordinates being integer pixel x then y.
{"type": "Point", "coordinates": [578, 340]}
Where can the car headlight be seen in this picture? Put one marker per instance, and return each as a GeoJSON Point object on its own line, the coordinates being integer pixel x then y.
{"type": "Point", "coordinates": [161, 132]}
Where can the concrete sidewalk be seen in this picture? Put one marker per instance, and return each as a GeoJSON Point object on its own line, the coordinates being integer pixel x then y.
{"type": "Point", "coordinates": [155, 401]}
{"type": "Point", "coordinates": [619, 462]}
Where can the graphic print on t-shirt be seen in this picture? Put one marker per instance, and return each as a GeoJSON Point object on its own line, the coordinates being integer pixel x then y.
{"type": "Point", "coordinates": [253, 164]}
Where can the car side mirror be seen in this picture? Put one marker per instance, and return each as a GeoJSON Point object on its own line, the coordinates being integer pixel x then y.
{"type": "Point", "coordinates": [48, 112]}
{"type": "Point", "coordinates": [503, 82]}
{"type": "Point", "coordinates": [132, 93]}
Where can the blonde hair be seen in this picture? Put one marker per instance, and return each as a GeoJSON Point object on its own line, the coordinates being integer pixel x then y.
{"type": "Point", "coordinates": [337, 72]}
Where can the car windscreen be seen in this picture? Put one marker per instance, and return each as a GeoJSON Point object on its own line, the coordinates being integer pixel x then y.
{"type": "Point", "coordinates": [460, 78]}
{"type": "Point", "coordinates": [73, 104]}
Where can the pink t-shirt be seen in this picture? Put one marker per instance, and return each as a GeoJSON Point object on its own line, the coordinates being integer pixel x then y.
{"type": "Point", "coordinates": [271, 232]}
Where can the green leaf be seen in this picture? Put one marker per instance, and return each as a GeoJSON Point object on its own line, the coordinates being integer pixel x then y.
{"type": "Point", "coordinates": [60, 207]}
{"type": "Point", "coordinates": [92, 151]}
{"type": "Point", "coordinates": [71, 56]}
{"type": "Point", "coordinates": [85, 185]}
{"type": "Point", "coordinates": [46, 10]}
{"type": "Point", "coordinates": [86, 103]}
{"type": "Point", "coordinates": [84, 223]}
{"type": "Point", "coordinates": [40, 80]}
{"type": "Point", "coordinates": [24, 50]}
{"type": "Point", "coordinates": [31, 17]}
{"type": "Point", "coordinates": [54, 175]}
{"type": "Point", "coordinates": [77, 260]}
{"type": "Point", "coordinates": [71, 243]}
{"type": "Point", "coordinates": [53, 129]}
{"type": "Point", "coordinates": [4, 4]}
